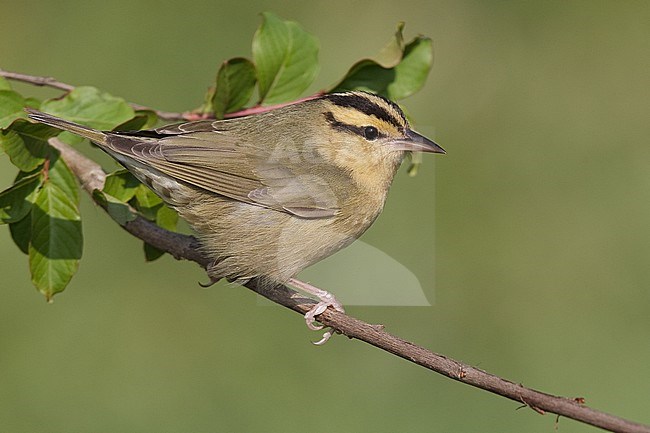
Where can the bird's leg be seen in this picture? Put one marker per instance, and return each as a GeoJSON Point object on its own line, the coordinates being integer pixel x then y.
{"type": "Point", "coordinates": [325, 298]}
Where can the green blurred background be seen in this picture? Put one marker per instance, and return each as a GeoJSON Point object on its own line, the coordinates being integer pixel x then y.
{"type": "Point", "coordinates": [531, 237]}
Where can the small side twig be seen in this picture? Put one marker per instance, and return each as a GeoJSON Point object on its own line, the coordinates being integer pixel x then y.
{"type": "Point", "coordinates": [164, 115]}
{"type": "Point", "coordinates": [36, 81]}
{"type": "Point", "coordinates": [56, 84]}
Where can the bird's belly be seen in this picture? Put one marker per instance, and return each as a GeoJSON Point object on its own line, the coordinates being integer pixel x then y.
{"type": "Point", "coordinates": [248, 241]}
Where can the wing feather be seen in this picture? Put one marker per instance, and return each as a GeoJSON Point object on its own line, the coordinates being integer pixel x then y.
{"type": "Point", "coordinates": [218, 162]}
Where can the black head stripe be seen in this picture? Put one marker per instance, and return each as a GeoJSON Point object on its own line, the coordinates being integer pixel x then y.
{"type": "Point", "coordinates": [366, 103]}
{"type": "Point", "coordinates": [340, 126]}
{"type": "Point", "coordinates": [345, 127]}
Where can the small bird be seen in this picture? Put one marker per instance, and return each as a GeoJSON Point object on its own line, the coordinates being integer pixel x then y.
{"type": "Point", "coordinates": [272, 193]}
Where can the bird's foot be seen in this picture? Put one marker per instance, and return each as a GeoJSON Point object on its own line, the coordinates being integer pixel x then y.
{"type": "Point", "coordinates": [326, 299]}
{"type": "Point", "coordinates": [213, 281]}
{"type": "Point", "coordinates": [214, 276]}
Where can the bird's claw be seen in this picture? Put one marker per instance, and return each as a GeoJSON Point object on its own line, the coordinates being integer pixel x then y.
{"type": "Point", "coordinates": [310, 316]}
{"type": "Point", "coordinates": [326, 336]}
{"type": "Point", "coordinates": [326, 300]}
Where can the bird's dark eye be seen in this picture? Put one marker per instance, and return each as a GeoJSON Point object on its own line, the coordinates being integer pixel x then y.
{"type": "Point", "coordinates": [370, 132]}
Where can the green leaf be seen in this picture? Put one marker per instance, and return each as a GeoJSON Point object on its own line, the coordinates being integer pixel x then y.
{"type": "Point", "coordinates": [89, 106]}
{"type": "Point", "coordinates": [122, 185]}
{"type": "Point", "coordinates": [26, 143]}
{"type": "Point", "coordinates": [23, 174]}
{"type": "Point", "coordinates": [206, 106]}
{"type": "Point", "coordinates": [147, 202]}
{"type": "Point", "coordinates": [21, 233]}
{"type": "Point", "coordinates": [369, 76]}
{"type": "Point", "coordinates": [11, 107]}
{"type": "Point", "coordinates": [286, 58]}
{"type": "Point", "coordinates": [61, 176]}
{"type": "Point", "coordinates": [56, 240]}
{"type": "Point", "coordinates": [399, 70]}
{"type": "Point", "coordinates": [143, 119]}
{"type": "Point", "coordinates": [166, 218]}
{"type": "Point", "coordinates": [4, 84]}
{"type": "Point", "coordinates": [235, 84]}
{"type": "Point", "coordinates": [33, 102]}
{"type": "Point", "coordinates": [375, 74]}
{"type": "Point", "coordinates": [392, 53]}
{"type": "Point", "coordinates": [412, 71]}
{"type": "Point", "coordinates": [16, 201]}
{"type": "Point", "coordinates": [415, 161]}
{"type": "Point", "coordinates": [153, 208]}
{"type": "Point", "coordinates": [118, 210]}
{"type": "Point", "coordinates": [152, 253]}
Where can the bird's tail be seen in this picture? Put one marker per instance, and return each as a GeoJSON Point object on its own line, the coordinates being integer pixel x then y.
{"type": "Point", "coordinates": [91, 134]}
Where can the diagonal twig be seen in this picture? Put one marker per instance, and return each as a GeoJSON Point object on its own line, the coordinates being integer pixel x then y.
{"type": "Point", "coordinates": [91, 177]}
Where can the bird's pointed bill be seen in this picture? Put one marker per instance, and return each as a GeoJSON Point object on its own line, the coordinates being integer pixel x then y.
{"type": "Point", "coordinates": [415, 142]}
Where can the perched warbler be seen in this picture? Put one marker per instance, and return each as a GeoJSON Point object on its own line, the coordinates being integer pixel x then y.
{"type": "Point", "coordinates": [272, 193]}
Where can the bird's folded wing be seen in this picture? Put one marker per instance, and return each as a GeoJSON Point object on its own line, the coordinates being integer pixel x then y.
{"type": "Point", "coordinates": [245, 173]}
